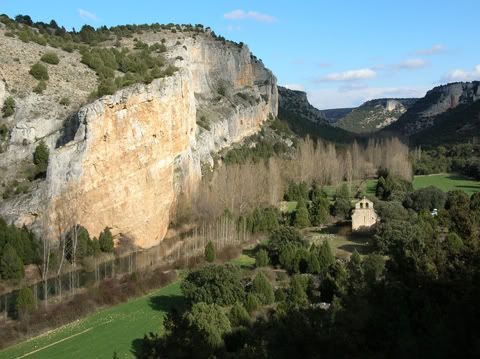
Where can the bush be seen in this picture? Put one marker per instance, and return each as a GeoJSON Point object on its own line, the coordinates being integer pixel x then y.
{"type": "Point", "coordinates": [8, 107]}
{"type": "Point", "coordinates": [26, 302]}
{"type": "Point", "coordinates": [50, 58]}
{"type": "Point", "coordinates": [39, 71]}
{"type": "Point", "coordinates": [209, 252]}
{"type": "Point", "coordinates": [41, 86]}
{"type": "Point", "coordinates": [40, 157]}
{"type": "Point", "coordinates": [65, 101]}
{"type": "Point", "coordinates": [261, 258]}
{"type": "Point", "coordinates": [3, 131]}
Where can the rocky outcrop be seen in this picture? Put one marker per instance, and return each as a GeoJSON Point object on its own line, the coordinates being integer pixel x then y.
{"type": "Point", "coordinates": [436, 102]}
{"type": "Point", "coordinates": [121, 161]}
{"type": "Point", "coordinates": [375, 114]}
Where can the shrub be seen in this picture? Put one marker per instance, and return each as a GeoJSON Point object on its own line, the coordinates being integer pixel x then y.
{"type": "Point", "coordinates": [8, 107]}
{"type": "Point", "coordinates": [39, 71]}
{"type": "Point", "coordinates": [210, 252]}
{"type": "Point", "coordinates": [65, 101]}
{"type": "Point", "coordinates": [40, 157]}
{"type": "Point", "coordinates": [41, 86]}
{"type": "Point", "coordinates": [3, 131]}
{"type": "Point", "coordinates": [50, 58]}
{"type": "Point", "coordinates": [25, 302]}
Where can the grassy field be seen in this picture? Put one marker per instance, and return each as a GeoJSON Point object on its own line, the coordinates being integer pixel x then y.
{"type": "Point", "coordinates": [447, 182]}
{"type": "Point", "coordinates": [342, 241]}
{"type": "Point", "coordinates": [118, 328]}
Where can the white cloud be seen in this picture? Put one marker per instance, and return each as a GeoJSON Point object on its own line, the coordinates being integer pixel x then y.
{"type": "Point", "coordinates": [351, 75]}
{"type": "Point", "coordinates": [249, 15]}
{"type": "Point", "coordinates": [355, 95]}
{"type": "Point", "coordinates": [87, 15]}
{"type": "Point", "coordinates": [411, 64]}
{"type": "Point", "coordinates": [296, 87]}
{"type": "Point", "coordinates": [462, 75]}
{"type": "Point", "coordinates": [435, 49]}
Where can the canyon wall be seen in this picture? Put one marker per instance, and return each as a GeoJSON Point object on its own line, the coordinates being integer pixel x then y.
{"type": "Point", "coordinates": [121, 161]}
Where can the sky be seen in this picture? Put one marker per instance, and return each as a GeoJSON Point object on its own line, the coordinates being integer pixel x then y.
{"type": "Point", "coordinates": [340, 52]}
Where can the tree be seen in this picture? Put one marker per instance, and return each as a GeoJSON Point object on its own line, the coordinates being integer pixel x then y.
{"type": "Point", "coordinates": [8, 107]}
{"type": "Point", "coordinates": [301, 215]}
{"type": "Point", "coordinates": [373, 267]}
{"type": "Point", "coordinates": [106, 240]}
{"type": "Point", "coordinates": [325, 256]}
{"type": "Point", "coordinates": [220, 284]}
{"type": "Point", "coordinates": [261, 258]}
{"type": "Point", "coordinates": [40, 157]}
{"type": "Point", "coordinates": [39, 71]}
{"type": "Point", "coordinates": [319, 210]}
{"type": "Point", "coordinates": [210, 322]}
{"type": "Point", "coordinates": [297, 293]}
{"type": "Point", "coordinates": [239, 316]}
{"type": "Point", "coordinates": [25, 302]}
{"type": "Point", "coordinates": [426, 199]}
{"type": "Point", "coordinates": [210, 252]}
{"type": "Point", "coordinates": [280, 238]}
{"type": "Point", "coordinates": [262, 288]}
{"type": "Point", "coordinates": [252, 303]}
{"type": "Point", "coordinates": [11, 265]}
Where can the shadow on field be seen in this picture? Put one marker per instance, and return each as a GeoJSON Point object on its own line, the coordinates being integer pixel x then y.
{"type": "Point", "coordinates": [164, 303]}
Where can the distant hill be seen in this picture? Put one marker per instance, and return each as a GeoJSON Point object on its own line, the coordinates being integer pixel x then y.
{"type": "Point", "coordinates": [445, 108]}
{"type": "Point", "coordinates": [374, 115]}
{"type": "Point", "coordinates": [304, 119]}
{"type": "Point", "coordinates": [458, 125]}
{"type": "Point", "coordinates": [335, 114]}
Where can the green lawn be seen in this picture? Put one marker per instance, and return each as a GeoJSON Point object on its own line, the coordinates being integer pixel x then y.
{"type": "Point", "coordinates": [447, 182]}
{"type": "Point", "coordinates": [114, 329]}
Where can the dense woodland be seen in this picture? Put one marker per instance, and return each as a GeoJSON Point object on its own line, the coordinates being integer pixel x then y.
{"type": "Point", "coordinates": [415, 295]}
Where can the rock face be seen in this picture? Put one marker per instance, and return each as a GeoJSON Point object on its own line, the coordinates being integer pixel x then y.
{"type": "Point", "coordinates": [436, 102]}
{"type": "Point", "coordinates": [118, 170]}
{"type": "Point", "coordinates": [121, 160]}
{"type": "Point", "coordinates": [375, 114]}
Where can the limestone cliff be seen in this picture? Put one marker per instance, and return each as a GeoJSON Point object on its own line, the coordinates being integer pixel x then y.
{"type": "Point", "coordinates": [121, 160]}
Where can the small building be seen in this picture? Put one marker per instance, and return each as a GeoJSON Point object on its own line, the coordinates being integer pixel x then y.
{"type": "Point", "coordinates": [364, 216]}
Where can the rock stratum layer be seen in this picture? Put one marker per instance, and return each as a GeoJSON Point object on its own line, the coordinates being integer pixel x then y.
{"type": "Point", "coordinates": [122, 160]}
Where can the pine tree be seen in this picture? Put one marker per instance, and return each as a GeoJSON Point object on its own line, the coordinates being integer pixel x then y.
{"type": "Point", "coordinates": [210, 252]}
{"type": "Point", "coordinates": [262, 288]}
{"type": "Point", "coordinates": [25, 302]}
{"type": "Point", "coordinates": [301, 216]}
{"type": "Point", "coordinates": [325, 256]}
{"type": "Point", "coordinates": [106, 240]}
{"type": "Point", "coordinates": [11, 265]}
{"type": "Point", "coordinates": [40, 157]}
{"type": "Point", "coordinates": [261, 259]}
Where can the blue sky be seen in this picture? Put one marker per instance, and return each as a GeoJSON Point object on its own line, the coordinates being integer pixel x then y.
{"type": "Point", "coordinates": [341, 52]}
